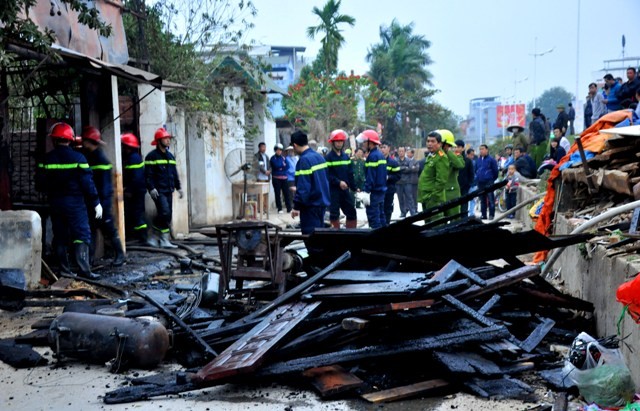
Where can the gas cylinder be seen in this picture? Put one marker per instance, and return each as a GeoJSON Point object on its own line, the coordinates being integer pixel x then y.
{"type": "Point", "coordinates": [137, 343]}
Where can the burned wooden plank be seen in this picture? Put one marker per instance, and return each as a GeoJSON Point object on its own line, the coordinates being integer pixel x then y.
{"type": "Point", "coordinates": [547, 298]}
{"type": "Point", "coordinates": [541, 331]}
{"type": "Point", "coordinates": [407, 391]}
{"type": "Point", "coordinates": [501, 388]}
{"type": "Point", "coordinates": [192, 334]}
{"type": "Point", "coordinates": [430, 343]}
{"type": "Point", "coordinates": [360, 276]}
{"type": "Point", "coordinates": [38, 338]}
{"type": "Point", "coordinates": [489, 304]}
{"type": "Point", "coordinates": [500, 281]}
{"type": "Point", "coordinates": [467, 363]}
{"type": "Point", "coordinates": [295, 291]}
{"type": "Point", "coordinates": [332, 380]}
{"type": "Point", "coordinates": [452, 268]}
{"type": "Point", "coordinates": [470, 312]}
{"type": "Point", "coordinates": [246, 354]}
{"type": "Point", "coordinates": [20, 355]}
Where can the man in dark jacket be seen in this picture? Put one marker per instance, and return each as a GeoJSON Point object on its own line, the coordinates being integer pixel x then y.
{"type": "Point", "coordinates": [135, 187]}
{"type": "Point", "coordinates": [465, 176]}
{"type": "Point", "coordinates": [538, 137]}
{"type": "Point", "coordinates": [571, 116]}
{"type": "Point", "coordinates": [263, 171]}
{"type": "Point", "coordinates": [162, 179]}
{"type": "Point", "coordinates": [102, 170]}
{"type": "Point", "coordinates": [404, 185]}
{"type": "Point", "coordinates": [65, 177]}
{"type": "Point", "coordinates": [393, 175]}
{"type": "Point", "coordinates": [562, 120]}
{"type": "Point", "coordinates": [524, 164]}
{"type": "Point", "coordinates": [279, 178]}
{"type": "Point", "coordinates": [341, 181]}
{"type": "Point", "coordinates": [486, 175]}
{"type": "Point", "coordinates": [627, 92]}
{"type": "Point", "coordinates": [312, 185]}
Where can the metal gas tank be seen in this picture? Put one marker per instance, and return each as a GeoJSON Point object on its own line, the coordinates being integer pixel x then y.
{"type": "Point", "coordinates": [137, 343]}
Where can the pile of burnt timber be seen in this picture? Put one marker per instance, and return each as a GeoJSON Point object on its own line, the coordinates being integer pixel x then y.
{"type": "Point", "coordinates": [402, 311]}
{"type": "Point", "coordinates": [614, 171]}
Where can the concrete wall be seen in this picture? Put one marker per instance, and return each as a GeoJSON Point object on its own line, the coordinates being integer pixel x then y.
{"type": "Point", "coordinates": [596, 279]}
{"type": "Point", "coordinates": [154, 113]}
{"type": "Point", "coordinates": [21, 243]}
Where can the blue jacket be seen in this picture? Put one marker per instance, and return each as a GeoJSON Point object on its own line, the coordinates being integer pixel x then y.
{"type": "Point", "coordinates": [160, 171]}
{"type": "Point", "coordinates": [102, 178]}
{"type": "Point", "coordinates": [312, 184]}
{"type": "Point", "coordinates": [66, 173]}
{"type": "Point", "coordinates": [133, 174]}
{"type": "Point", "coordinates": [486, 170]}
{"type": "Point", "coordinates": [612, 100]}
{"type": "Point", "coordinates": [339, 168]}
{"type": "Point", "coordinates": [393, 171]}
{"type": "Point", "coordinates": [278, 166]}
{"type": "Point", "coordinates": [375, 172]}
{"type": "Point", "coordinates": [292, 162]}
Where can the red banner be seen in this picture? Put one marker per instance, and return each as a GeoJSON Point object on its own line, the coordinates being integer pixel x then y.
{"type": "Point", "coordinates": [510, 114]}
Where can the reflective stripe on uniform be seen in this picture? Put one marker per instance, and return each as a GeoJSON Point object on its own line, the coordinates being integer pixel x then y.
{"type": "Point", "coordinates": [338, 163]}
{"type": "Point", "coordinates": [376, 164]}
{"type": "Point", "coordinates": [102, 167]}
{"type": "Point", "coordinates": [140, 227]}
{"type": "Point", "coordinates": [63, 166]}
{"type": "Point", "coordinates": [311, 170]}
{"type": "Point", "coordinates": [158, 162]}
{"type": "Point", "coordinates": [393, 169]}
{"type": "Point", "coordinates": [131, 166]}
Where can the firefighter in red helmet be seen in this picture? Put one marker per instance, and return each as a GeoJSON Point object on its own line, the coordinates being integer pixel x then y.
{"type": "Point", "coordinates": [162, 180]}
{"type": "Point", "coordinates": [134, 188]}
{"type": "Point", "coordinates": [66, 179]}
{"type": "Point", "coordinates": [341, 181]}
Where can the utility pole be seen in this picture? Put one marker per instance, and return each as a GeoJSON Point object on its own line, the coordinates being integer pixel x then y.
{"type": "Point", "coordinates": [535, 65]}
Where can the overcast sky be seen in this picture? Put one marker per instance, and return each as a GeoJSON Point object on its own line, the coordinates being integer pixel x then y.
{"type": "Point", "coordinates": [480, 48]}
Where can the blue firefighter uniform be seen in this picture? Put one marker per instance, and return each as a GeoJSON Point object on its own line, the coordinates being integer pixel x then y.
{"type": "Point", "coordinates": [340, 168]}
{"type": "Point", "coordinates": [68, 182]}
{"type": "Point", "coordinates": [134, 193]}
{"type": "Point", "coordinates": [376, 185]}
{"type": "Point", "coordinates": [102, 169]}
{"type": "Point", "coordinates": [161, 175]}
{"type": "Point", "coordinates": [393, 176]}
{"type": "Point", "coordinates": [312, 191]}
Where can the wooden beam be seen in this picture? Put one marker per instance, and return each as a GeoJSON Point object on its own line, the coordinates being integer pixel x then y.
{"type": "Point", "coordinates": [406, 391]}
{"type": "Point", "coordinates": [332, 380]}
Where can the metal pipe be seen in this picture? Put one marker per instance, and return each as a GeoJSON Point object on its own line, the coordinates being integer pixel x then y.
{"type": "Point", "coordinates": [587, 225]}
{"type": "Point", "coordinates": [519, 206]}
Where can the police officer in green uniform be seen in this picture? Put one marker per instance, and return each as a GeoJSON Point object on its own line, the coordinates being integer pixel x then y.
{"type": "Point", "coordinates": [434, 176]}
{"type": "Point", "coordinates": [456, 163]}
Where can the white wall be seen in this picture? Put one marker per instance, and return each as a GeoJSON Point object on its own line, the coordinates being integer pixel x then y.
{"type": "Point", "coordinates": [211, 137]}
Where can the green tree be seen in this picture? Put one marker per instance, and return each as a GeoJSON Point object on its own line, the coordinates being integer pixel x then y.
{"type": "Point", "coordinates": [18, 28]}
{"type": "Point", "coordinates": [549, 100]}
{"type": "Point", "coordinates": [338, 100]}
{"type": "Point", "coordinates": [183, 41]}
{"type": "Point", "coordinates": [333, 40]}
{"type": "Point", "coordinates": [398, 63]}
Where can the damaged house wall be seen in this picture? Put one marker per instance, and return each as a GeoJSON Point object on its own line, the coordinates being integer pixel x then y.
{"type": "Point", "coordinates": [211, 137]}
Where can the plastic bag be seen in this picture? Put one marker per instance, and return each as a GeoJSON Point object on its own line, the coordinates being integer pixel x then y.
{"type": "Point", "coordinates": [603, 378]}
{"type": "Point", "coordinates": [535, 210]}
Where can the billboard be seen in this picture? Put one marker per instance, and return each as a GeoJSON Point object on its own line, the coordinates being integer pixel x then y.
{"type": "Point", "coordinates": [509, 114]}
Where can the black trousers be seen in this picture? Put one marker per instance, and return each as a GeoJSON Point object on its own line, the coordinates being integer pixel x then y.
{"type": "Point", "coordinates": [342, 199]}
{"type": "Point", "coordinates": [134, 218]}
{"type": "Point", "coordinates": [388, 203]}
{"type": "Point", "coordinates": [164, 208]}
{"type": "Point", "coordinates": [281, 186]}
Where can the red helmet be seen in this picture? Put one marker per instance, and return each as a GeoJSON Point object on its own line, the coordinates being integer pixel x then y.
{"type": "Point", "coordinates": [91, 133]}
{"type": "Point", "coordinates": [338, 135]}
{"type": "Point", "coordinates": [130, 140]}
{"type": "Point", "coordinates": [368, 135]}
{"type": "Point", "coordinates": [62, 131]}
{"type": "Point", "coordinates": [159, 135]}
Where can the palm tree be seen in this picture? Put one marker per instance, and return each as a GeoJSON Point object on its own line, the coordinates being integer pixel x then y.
{"type": "Point", "coordinates": [398, 63]}
{"type": "Point", "coordinates": [330, 20]}
{"type": "Point", "coordinates": [401, 56]}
